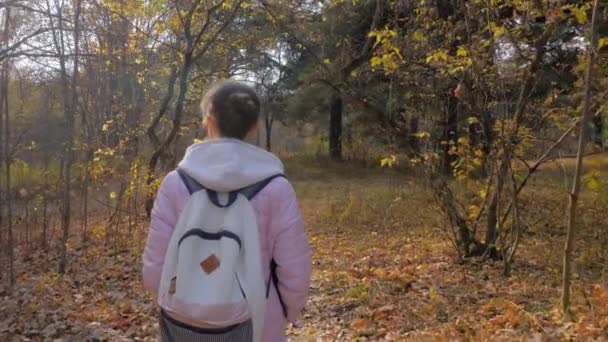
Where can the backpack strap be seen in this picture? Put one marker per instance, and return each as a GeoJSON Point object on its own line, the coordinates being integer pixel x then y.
{"type": "Point", "coordinates": [191, 184]}
{"type": "Point", "coordinates": [254, 189]}
{"type": "Point", "coordinates": [249, 191]}
{"type": "Point", "coordinates": [274, 280]}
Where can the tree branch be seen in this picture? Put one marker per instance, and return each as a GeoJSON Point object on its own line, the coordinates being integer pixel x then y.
{"type": "Point", "coordinates": [5, 52]}
{"type": "Point", "coordinates": [534, 167]}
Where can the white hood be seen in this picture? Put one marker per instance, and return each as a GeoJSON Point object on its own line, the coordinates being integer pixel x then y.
{"type": "Point", "coordinates": [229, 164]}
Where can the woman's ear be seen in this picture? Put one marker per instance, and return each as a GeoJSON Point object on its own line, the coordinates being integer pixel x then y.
{"type": "Point", "coordinates": [210, 122]}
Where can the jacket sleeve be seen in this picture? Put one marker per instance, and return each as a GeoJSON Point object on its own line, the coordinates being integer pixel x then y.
{"type": "Point", "coordinates": [291, 250]}
{"type": "Point", "coordinates": [164, 217]}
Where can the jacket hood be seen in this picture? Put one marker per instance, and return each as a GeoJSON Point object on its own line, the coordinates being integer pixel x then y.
{"type": "Point", "coordinates": [229, 164]}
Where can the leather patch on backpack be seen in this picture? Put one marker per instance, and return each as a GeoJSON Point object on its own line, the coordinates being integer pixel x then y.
{"type": "Point", "coordinates": [210, 264]}
{"type": "Point", "coordinates": [172, 285]}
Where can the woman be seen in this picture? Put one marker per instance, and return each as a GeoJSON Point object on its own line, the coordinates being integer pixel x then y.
{"type": "Point", "coordinates": [225, 162]}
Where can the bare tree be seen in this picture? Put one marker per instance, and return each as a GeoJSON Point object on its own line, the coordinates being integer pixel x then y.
{"type": "Point", "coordinates": [576, 185]}
{"type": "Point", "coordinates": [4, 79]}
{"type": "Point", "coordinates": [69, 97]}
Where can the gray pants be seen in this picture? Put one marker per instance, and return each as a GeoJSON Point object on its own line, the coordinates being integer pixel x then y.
{"type": "Point", "coordinates": [174, 331]}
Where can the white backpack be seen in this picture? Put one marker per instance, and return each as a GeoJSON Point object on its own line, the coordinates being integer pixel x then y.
{"type": "Point", "coordinates": [212, 271]}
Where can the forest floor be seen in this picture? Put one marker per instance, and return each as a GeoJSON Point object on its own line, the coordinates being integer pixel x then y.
{"type": "Point", "coordinates": [383, 270]}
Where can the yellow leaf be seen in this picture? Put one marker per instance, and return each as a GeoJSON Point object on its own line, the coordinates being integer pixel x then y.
{"type": "Point", "coordinates": [462, 52]}
{"type": "Point", "coordinates": [439, 55]}
{"type": "Point", "coordinates": [106, 125]}
{"type": "Point", "coordinates": [422, 135]}
{"type": "Point", "coordinates": [593, 184]}
{"type": "Point", "coordinates": [326, 61]}
{"type": "Point", "coordinates": [375, 61]}
{"type": "Point", "coordinates": [580, 14]}
{"type": "Point", "coordinates": [602, 42]}
{"type": "Point", "coordinates": [354, 74]}
{"type": "Point", "coordinates": [388, 161]}
{"type": "Point", "coordinates": [497, 30]}
{"type": "Point", "coordinates": [419, 37]}
{"type": "Point", "coordinates": [112, 195]}
{"type": "Point", "coordinates": [473, 211]}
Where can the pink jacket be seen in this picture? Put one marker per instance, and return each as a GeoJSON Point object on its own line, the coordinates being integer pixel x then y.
{"type": "Point", "coordinates": [282, 236]}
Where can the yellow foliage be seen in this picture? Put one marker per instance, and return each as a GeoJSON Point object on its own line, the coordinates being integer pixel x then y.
{"type": "Point", "coordinates": [462, 52]}
{"type": "Point", "coordinates": [580, 14]}
{"type": "Point", "coordinates": [388, 54]}
{"type": "Point", "coordinates": [473, 211]}
{"type": "Point", "coordinates": [422, 135]}
{"type": "Point", "coordinates": [388, 161]}
{"type": "Point", "coordinates": [439, 55]}
{"type": "Point", "coordinates": [419, 37]}
{"type": "Point", "coordinates": [497, 30]}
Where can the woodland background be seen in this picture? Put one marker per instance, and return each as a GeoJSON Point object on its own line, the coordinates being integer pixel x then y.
{"type": "Point", "coordinates": [449, 157]}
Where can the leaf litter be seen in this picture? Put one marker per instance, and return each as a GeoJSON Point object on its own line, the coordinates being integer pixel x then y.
{"type": "Point", "coordinates": [395, 281]}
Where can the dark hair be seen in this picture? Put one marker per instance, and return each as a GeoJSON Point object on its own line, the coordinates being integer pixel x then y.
{"type": "Point", "coordinates": [235, 107]}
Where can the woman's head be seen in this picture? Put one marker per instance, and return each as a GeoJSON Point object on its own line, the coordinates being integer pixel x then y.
{"type": "Point", "coordinates": [231, 109]}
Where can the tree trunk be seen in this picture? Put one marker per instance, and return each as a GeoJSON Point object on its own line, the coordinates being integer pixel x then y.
{"type": "Point", "coordinates": [27, 223]}
{"type": "Point", "coordinates": [493, 210]}
{"type": "Point", "coordinates": [413, 140]}
{"type": "Point", "coordinates": [598, 129]}
{"type": "Point", "coordinates": [335, 127]}
{"type": "Point", "coordinates": [45, 221]}
{"type": "Point", "coordinates": [268, 121]}
{"type": "Point", "coordinates": [45, 193]}
{"type": "Point", "coordinates": [176, 125]}
{"type": "Point", "coordinates": [582, 140]}
{"type": "Point", "coordinates": [464, 239]}
{"type": "Point", "coordinates": [69, 105]}
{"type": "Point", "coordinates": [8, 157]}
{"type": "Point", "coordinates": [85, 198]}
{"type": "Point", "coordinates": [487, 124]}
{"type": "Point", "coordinates": [75, 75]}
{"type": "Point", "coordinates": [450, 133]}
{"type": "Point", "coordinates": [445, 8]}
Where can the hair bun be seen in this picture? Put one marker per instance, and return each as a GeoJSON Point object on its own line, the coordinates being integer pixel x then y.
{"type": "Point", "coordinates": [243, 102]}
{"type": "Point", "coordinates": [235, 106]}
